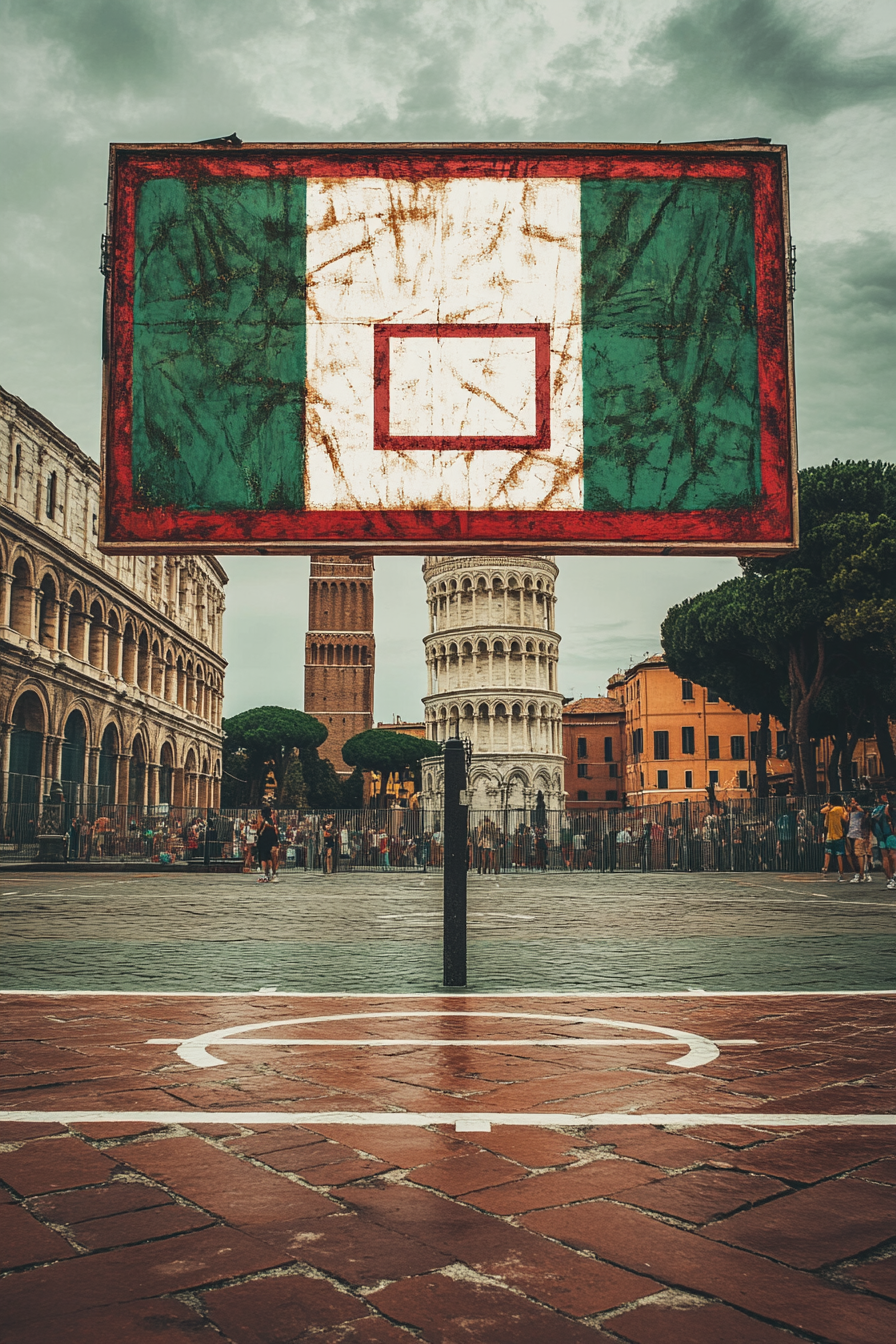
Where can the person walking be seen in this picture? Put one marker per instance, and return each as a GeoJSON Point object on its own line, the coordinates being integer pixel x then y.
{"type": "Point", "coordinates": [267, 838]}
{"type": "Point", "coordinates": [883, 823]}
{"type": "Point", "coordinates": [835, 816]}
{"type": "Point", "coordinates": [330, 851]}
{"type": "Point", "coordinates": [859, 839]}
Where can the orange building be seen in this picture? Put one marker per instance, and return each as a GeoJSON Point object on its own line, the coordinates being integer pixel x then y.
{"type": "Point", "coordinates": [681, 738]}
{"type": "Point", "coordinates": [400, 791]}
{"type": "Point", "coordinates": [593, 742]}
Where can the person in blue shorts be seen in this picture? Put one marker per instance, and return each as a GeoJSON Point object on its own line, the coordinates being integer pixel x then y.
{"type": "Point", "coordinates": [835, 816]}
{"type": "Point", "coordinates": [883, 823]}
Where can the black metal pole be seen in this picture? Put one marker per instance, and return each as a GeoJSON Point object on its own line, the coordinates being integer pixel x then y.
{"type": "Point", "coordinates": [454, 904]}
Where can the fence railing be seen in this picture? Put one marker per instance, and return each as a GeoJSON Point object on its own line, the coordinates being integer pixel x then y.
{"type": "Point", "coordinates": [743, 835]}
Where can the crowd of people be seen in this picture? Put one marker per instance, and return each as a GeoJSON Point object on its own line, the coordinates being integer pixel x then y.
{"type": "Point", "coordinates": [850, 837]}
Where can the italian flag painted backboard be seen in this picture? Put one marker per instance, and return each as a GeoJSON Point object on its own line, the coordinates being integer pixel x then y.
{"type": "Point", "coordinates": [436, 348]}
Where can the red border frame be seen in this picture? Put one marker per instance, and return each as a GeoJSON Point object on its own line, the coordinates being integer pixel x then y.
{"type": "Point", "coordinates": [384, 332]}
{"type": "Point", "coordinates": [769, 528]}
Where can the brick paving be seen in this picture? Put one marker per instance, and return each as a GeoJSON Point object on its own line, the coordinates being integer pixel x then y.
{"type": "Point", "coordinates": [235, 1221]}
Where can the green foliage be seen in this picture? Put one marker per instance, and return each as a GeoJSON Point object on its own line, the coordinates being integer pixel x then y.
{"type": "Point", "coordinates": [270, 733]}
{"type": "Point", "coordinates": [353, 789]}
{"type": "Point", "coordinates": [324, 785]}
{"type": "Point", "coordinates": [293, 790]}
{"type": "Point", "coordinates": [809, 635]}
{"type": "Point", "coordinates": [234, 779]}
{"type": "Point", "coordinates": [385, 751]}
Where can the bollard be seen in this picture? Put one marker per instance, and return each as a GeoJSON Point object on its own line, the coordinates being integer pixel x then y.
{"type": "Point", "coordinates": [454, 902]}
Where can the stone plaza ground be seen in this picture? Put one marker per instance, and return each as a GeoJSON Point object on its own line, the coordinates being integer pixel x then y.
{"type": "Point", "coordinates": [663, 1111]}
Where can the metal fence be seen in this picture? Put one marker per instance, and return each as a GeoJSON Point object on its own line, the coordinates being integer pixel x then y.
{"type": "Point", "coordinates": [743, 835]}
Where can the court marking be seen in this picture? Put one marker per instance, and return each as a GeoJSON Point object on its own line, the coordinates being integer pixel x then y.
{"type": "Point", "coordinates": [459, 993]}
{"type": "Point", "coordinates": [750, 1119]}
{"type": "Point", "coordinates": [195, 1050]}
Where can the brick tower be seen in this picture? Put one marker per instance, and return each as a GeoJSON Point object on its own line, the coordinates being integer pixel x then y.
{"type": "Point", "coordinates": [339, 650]}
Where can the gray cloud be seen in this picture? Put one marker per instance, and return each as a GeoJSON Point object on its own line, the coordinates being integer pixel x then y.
{"type": "Point", "coordinates": [772, 52]}
{"type": "Point", "coordinates": [80, 73]}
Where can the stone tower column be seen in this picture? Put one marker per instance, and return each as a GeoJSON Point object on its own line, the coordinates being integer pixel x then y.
{"type": "Point", "coordinates": [492, 656]}
{"type": "Point", "coordinates": [339, 650]}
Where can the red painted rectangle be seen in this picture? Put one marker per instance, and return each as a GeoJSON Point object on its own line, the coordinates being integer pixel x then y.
{"type": "Point", "coordinates": [460, 443]}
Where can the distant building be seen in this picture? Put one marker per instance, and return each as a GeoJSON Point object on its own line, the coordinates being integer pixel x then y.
{"type": "Point", "coordinates": [491, 657]}
{"type": "Point", "coordinates": [111, 672]}
{"type": "Point", "coordinates": [594, 751]}
{"type": "Point", "coordinates": [400, 788]}
{"type": "Point", "coordinates": [339, 650]}
{"type": "Point", "coordinates": [681, 738]}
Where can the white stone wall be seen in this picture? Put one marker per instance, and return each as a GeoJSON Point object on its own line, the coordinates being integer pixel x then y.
{"type": "Point", "coordinates": [491, 657]}
{"type": "Point", "coordinates": [130, 642]}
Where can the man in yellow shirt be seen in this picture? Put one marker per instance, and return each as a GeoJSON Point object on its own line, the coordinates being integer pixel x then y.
{"type": "Point", "coordinates": [835, 815]}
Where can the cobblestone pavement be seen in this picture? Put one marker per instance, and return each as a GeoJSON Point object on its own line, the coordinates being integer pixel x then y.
{"type": "Point", "coordinates": [553, 1156]}
{"type": "Point", "coordinates": [369, 932]}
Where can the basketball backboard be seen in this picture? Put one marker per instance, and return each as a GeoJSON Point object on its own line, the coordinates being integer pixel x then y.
{"type": "Point", "coordinates": [439, 348]}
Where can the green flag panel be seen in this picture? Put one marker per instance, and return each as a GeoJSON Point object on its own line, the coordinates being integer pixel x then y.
{"type": "Point", "coordinates": [219, 344]}
{"type": "Point", "coordinates": [670, 361]}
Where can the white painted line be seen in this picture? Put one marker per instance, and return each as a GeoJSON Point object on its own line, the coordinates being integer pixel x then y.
{"type": "Point", "coordinates": [752, 1119]}
{"type": "Point", "coordinates": [700, 1050]}
{"type": "Point", "coordinates": [420, 1040]}
{"type": "Point", "coordinates": [457, 994]}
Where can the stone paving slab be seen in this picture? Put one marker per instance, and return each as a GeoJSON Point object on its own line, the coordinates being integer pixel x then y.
{"type": "Point", "coordinates": [362, 932]}
{"type": "Point", "coordinates": [241, 1210]}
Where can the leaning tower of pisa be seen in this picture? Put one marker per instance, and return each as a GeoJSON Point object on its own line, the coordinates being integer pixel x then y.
{"type": "Point", "coordinates": [491, 659]}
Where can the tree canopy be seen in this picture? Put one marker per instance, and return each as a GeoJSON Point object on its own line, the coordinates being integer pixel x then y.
{"type": "Point", "coordinates": [269, 733]}
{"type": "Point", "coordinates": [812, 632]}
{"type": "Point", "coordinates": [385, 751]}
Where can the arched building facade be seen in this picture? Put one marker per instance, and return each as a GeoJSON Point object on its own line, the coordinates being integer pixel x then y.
{"type": "Point", "coordinates": [111, 671]}
{"type": "Point", "coordinates": [491, 660]}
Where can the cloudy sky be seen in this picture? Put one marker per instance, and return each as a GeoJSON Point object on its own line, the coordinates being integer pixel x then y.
{"type": "Point", "coordinates": [817, 76]}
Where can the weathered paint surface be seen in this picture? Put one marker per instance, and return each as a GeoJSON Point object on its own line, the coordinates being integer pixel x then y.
{"type": "Point", "coordinates": [671, 378]}
{"type": "Point", "coordinates": [219, 344]}
{"type": "Point", "coordinates": [441, 251]}
{"type": "Point", "coordinates": [326, 347]}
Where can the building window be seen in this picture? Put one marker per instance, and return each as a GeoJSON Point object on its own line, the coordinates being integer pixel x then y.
{"type": "Point", "coordinates": [662, 779]}
{"type": "Point", "coordinates": [612, 771]}
{"type": "Point", "coordinates": [637, 741]}
{"type": "Point", "coordinates": [689, 779]}
{"type": "Point", "coordinates": [738, 749]}
{"type": "Point", "coordinates": [755, 742]}
{"type": "Point", "coordinates": [51, 495]}
{"type": "Point", "coordinates": [782, 746]}
{"type": "Point", "coordinates": [743, 779]}
{"type": "Point", "coordinates": [712, 697]}
{"type": "Point", "coordinates": [17, 470]}
{"type": "Point", "coordinates": [582, 770]}
{"type": "Point", "coordinates": [687, 690]}
{"type": "Point", "coordinates": [611, 795]}
{"type": "Point", "coordinates": [661, 746]}
{"type": "Point", "coordinates": [608, 748]}
{"type": "Point", "coordinates": [712, 748]}
{"type": "Point", "coordinates": [582, 795]}
{"type": "Point", "coordinates": [581, 747]}
{"type": "Point", "coordinates": [687, 741]}
{"type": "Point", "coordinates": [713, 779]}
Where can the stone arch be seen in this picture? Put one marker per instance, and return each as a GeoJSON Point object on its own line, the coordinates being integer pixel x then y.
{"type": "Point", "coordinates": [137, 771]}
{"type": "Point", "coordinates": [22, 599]}
{"type": "Point", "coordinates": [129, 654]}
{"type": "Point", "coordinates": [73, 758]}
{"type": "Point", "coordinates": [113, 643]}
{"type": "Point", "coordinates": [29, 717]}
{"type": "Point", "coordinates": [107, 765]}
{"type": "Point", "coordinates": [144, 660]}
{"type": "Point", "coordinates": [96, 641]}
{"type": "Point", "coordinates": [47, 611]}
{"type": "Point", "coordinates": [76, 624]}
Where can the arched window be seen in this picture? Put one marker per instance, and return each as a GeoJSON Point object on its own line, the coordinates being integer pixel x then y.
{"type": "Point", "coordinates": [22, 602]}
{"type": "Point", "coordinates": [95, 651]}
{"type": "Point", "coordinates": [46, 621]}
{"type": "Point", "coordinates": [107, 774]}
{"type": "Point", "coordinates": [137, 774]}
{"type": "Point", "coordinates": [26, 750]}
{"type": "Point", "coordinates": [73, 759]}
{"type": "Point", "coordinates": [166, 773]}
{"type": "Point", "coordinates": [76, 625]}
